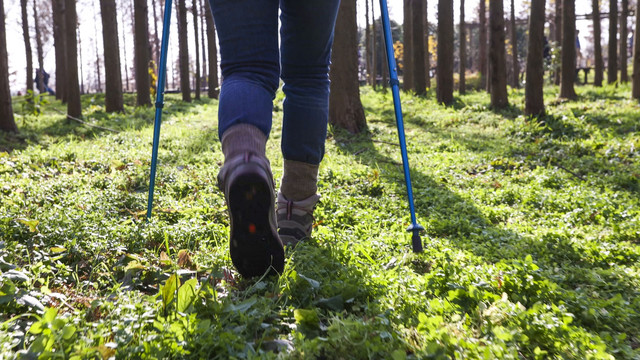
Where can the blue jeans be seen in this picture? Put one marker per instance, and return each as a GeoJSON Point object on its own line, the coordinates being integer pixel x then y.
{"type": "Point", "coordinates": [250, 64]}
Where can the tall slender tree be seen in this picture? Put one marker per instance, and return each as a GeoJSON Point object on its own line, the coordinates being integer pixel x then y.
{"type": "Point", "coordinates": [367, 41]}
{"type": "Point", "coordinates": [427, 60]}
{"type": "Point", "coordinates": [113, 76]}
{"type": "Point", "coordinates": [202, 32]}
{"type": "Point", "coordinates": [27, 44]}
{"type": "Point", "coordinates": [374, 52]}
{"type": "Point", "coordinates": [568, 50]}
{"type": "Point", "coordinates": [39, 47]}
{"type": "Point", "coordinates": [444, 79]}
{"type": "Point", "coordinates": [482, 61]}
{"type": "Point", "coordinates": [497, 55]}
{"type": "Point", "coordinates": [597, 45]}
{"type": "Point", "coordinates": [534, 103]}
{"type": "Point", "coordinates": [624, 34]}
{"type": "Point", "coordinates": [142, 56]}
{"type": "Point", "coordinates": [59, 38]}
{"type": "Point", "coordinates": [7, 122]}
{"type": "Point", "coordinates": [514, 47]}
{"type": "Point", "coordinates": [558, 36]}
{"type": "Point", "coordinates": [124, 52]}
{"type": "Point", "coordinates": [95, 46]}
{"type": "Point", "coordinates": [612, 62]}
{"type": "Point", "coordinates": [194, 9]}
{"type": "Point", "coordinates": [407, 49]}
{"type": "Point", "coordinates": [156, 38]}
{"type": "Point", "coordinates": [183, 51]}
{"type": "Point", "coordinates": [74, 105]}
{"type": "Point", "coordinates": [345, 107]}
{"type": "Point", "coordinates": [417, 25]}
{"type": "Point", "coordinates": [635, 88]}
{"type": "Point", "coordinates": [213, 55]}
{"type": "Point", "coordinates": [463, 51]}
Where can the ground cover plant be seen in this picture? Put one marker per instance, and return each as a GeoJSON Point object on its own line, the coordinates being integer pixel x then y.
{"type": "Point", "coordinates": [531, 245]}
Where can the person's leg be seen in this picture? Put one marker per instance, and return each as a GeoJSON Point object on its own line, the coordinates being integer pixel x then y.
{"type": "Point", "coordinates": [248, 38]}
{"type": "Point", "coordinates": [307, 36]}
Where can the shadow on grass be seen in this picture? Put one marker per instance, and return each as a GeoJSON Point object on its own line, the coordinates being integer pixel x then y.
{"type": "Point", "coordinates": [449, 216]}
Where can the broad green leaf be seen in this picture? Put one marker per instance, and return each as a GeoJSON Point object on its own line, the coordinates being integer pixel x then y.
{"type": "Point", "coordinates": [335, 303]}
{"type": "Point", "coordinates": [16, 276]}
{"type": "Point", "coordinates": [57, 249]}
{"type": "Point", "coordinates": [68, 331]}
{"type": "Point", "coordinates": [169, 289]}
{"type": "Point", "coordinates": [243, 306]}
{"type": "Point", "coordinates": [306, 317]}
{"type": "Point", "coordinates": [32, 224]}
{"type": "Point", "coordinates": [315, 284]}
{"type": "Point", "coordinates": [187, 294]}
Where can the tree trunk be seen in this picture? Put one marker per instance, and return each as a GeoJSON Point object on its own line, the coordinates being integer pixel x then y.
{"type": "Point", "coordinates": [203, 25]}
{"type": "Point", "coordinates": [194, 5]}
{"type": "Point", "coordinates": [558, 37]}
{"type": "Point", "coordinates": [374, 52]}
{"type": "Point", "coordinates": [463, 51]}
{"type": "Point", "coordinates": [7, 123]}
{"type": "Point", "coordinates": [417, 25]}
{"type": "Point", "coordinates": [183, 51]}
{"type": "Point", "coordinates": [514, 47]}
{"type": "Point", "coordinates": [597, 45]}
{"type": "Point", "coordinates": [534, 103]}
{"type": "Point", "coordinates": [407, 29]}
{"type": "Point", "coordinates": [569, 50]}
{"type": "Point", "coordinates": [95, 43]}
{"type": "Point", "coordinates": [156, 38]}
{"type": "Point", "coordinates": [367, 40]}
{"type": "Point", "coordinates": [142, 57]}
{"type": "Point", "coordinates": [124, 53]}
{"type": "Point", "coordinates": [444, 68]}
{"type": "Point", "coordinates": [113, 77]}
{"type": "Point", "coordinates": [612, 62]}
{"type": "Point", "coordinates": [483, 45]}
{"type": "Point", "coordinates": [213, 55]}
{"type": "Point", "coordinates": [39, 50]}
{"type": "Point", "coordinates": [635, 93]}
{"type": "Point", "coordinates": [79, 41]}
{"type": "Point", "coordinates": [497, 55]}
{"type": "Point", "coordinates": [427, 60]}
{"type": "Point", "coordinates": [345, 108]}
{"type": "Point", "coordinates": [624, 75]}
{"type": "Point", "coordinates": [59, 37]}
{"type": "Point", "coordinates": [74, 105]}
{"type": "Point", "coordinates": [27, 44]}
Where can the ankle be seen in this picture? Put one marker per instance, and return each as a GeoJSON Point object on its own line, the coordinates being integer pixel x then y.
{"type": "Point", "coordinates": [299, 180]}
{"type": "Point", "coordinates": [243, 138]}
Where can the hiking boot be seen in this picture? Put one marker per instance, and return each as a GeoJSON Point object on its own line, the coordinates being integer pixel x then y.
{"type": "Point", "coordinates": [295, 218]}
{"type": "Point", "coordinates": [254, 245]}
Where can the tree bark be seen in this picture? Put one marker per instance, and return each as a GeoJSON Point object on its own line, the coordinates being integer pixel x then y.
{"type": "Point", "coordinates": [345, 107]}
{"type": "Point", "coordinates": [74, 105]}
{"type": "Point", "coordinates": [213, 55]}
{"type": "Point", "coordinates": [568, 50]}
{"type": "Point", "coordinates": [59, 31]}
{"type": "Point", "coordinates": [39, 50]}
{"type": "Point", "coordinates": [612, 62]}
{"type": "Point", "coordinates": [374, 51]}
{"type": "Point", "coordinates": [156, 38]}
{"type": "Point", "coordinates": [444, 68]}
{"type": "Point", "coordinates": [427, 60]}
{"type": "Point", "coordinates": [558, 37]}
{"type": "Point", "coordinates": [514, 47]}
{"type": "Point", "coordinates": [482, 61]}
{"type": "Point", "coordinates": [203, 30]}
{"type": "Point", "coordinates": [95, 47]}
{"type": "Point", "coordinates": [142, 56]}
{"type": "Point", "coordinates": [463, 51]}
{"type": "Point", "coordinates": [534, 103]}
{"type": "Point", "coordinates": [407, 28]}
{"type": "Point", "coordinates": [624, 74]}
{"type": "Point", "coordinates": [497, 55]}
{"type": "Point", "coordinates": [367, 40]}
{"type": "Point", "coordinates": [597, 45]}
{"type": "Point", "coordinates": [635, 92]}
{"type": "Point", "coordinates": [7, 122]}
{"type": "Point", "coordinates": [124, 53]}
{"type": "Point", "coordinates": [113, 76]}
{"type": "Point", "coordinates": [27, 44]}
{"type": "Point", "coordinates": [183, 51]}
{"type": "Point", "coordinates": [417, 24]}
{"type": "Point", "coordinates": [194, 5]}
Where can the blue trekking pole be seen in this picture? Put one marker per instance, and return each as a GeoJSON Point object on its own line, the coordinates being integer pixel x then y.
{"type": "Point", "coordinates": [415, 228]}
{"type": "Point", "coordinates": [159, 102]}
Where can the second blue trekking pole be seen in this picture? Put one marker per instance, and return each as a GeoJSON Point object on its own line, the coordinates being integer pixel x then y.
{"type": "Point", "coordinates": [159, 102]}
{"type": "Point", "coordinates": [415, 228]}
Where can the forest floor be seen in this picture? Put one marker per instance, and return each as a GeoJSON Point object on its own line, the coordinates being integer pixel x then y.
{"type": "Point", "coordinates": [532, 241]}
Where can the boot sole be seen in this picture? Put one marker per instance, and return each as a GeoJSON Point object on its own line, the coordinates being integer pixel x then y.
{"type": "Point", "coordinates": [255, 247]}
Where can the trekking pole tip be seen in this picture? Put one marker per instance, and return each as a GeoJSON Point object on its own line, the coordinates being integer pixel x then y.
{"type": "Point", "coordinates": [416, 239]}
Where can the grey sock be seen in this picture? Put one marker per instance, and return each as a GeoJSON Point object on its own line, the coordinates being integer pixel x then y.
{"type": "Point", "coordinates": [299, 180]}
{"type": "Point", "coordinates": [242, 138]}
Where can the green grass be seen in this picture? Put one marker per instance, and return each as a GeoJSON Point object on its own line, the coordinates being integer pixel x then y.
{"type": "Point", "coordinates": [532, 241]}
